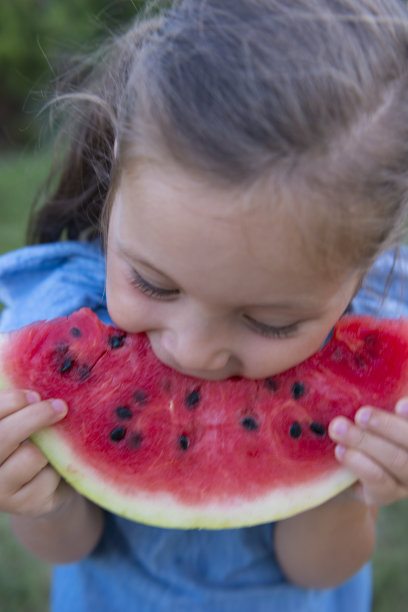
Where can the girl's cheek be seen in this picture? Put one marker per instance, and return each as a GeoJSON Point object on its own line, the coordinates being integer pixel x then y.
{"type": "Point", "coordinates": [125, 307]}
{"type": "Point", "coordinates": [130, 314]}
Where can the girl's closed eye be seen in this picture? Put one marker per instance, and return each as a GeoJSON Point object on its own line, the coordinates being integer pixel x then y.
{"type": "Point", "coordinates": [268, 331]}
{"type": "Point", "coordinates": [272, 331]}
{"type": "Point", "coordinates": [151, 290]}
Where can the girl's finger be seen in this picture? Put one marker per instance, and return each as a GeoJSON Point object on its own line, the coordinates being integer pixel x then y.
{"type": "Point", "coordinates": [401, 407]}
{"type": "Point", "coordinates": [21, 467]}
{"type": "Point", "coordinates": [20, 425]}
{"type": "Point", "coordinates": [15, 399]}
{"type": "Point", "coordinates": [378, 487]}
{"type": "Point", "coordinates": [41, 495]}
{"type": "Point", "coordinates": [390, 426]}
{"type": "Point", "coordinates": [389, 457]}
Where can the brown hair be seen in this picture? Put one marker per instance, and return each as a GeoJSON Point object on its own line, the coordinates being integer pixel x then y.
{"type": "Point", "coordinates": [314, 91]}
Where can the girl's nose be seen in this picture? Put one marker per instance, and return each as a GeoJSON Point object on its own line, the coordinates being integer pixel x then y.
{"type": "Point", "coordinates": [194, 350]}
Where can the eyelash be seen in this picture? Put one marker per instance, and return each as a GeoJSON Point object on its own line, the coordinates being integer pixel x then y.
{"type": "Point", "coordinates": [150, 290]}
{"type": "Point", "coordinates": [269, 331]}
{"type": "Point", "coordinates": [264, 330]}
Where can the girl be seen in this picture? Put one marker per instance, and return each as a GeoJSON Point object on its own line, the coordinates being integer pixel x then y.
{"type": "Point", "coordinates": [246, 162]}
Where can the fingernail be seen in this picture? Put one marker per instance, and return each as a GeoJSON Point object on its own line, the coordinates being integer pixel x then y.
{"type": "Point", "coordinates": [363, 416]}
{"type": "Point", "coordinates": [402, 407]}
{"type": "Point", "coordinates": [339, 427]}
{"type": "Point", "coordinates": [32, 397]}
{"type": "Point", "coordinates": [339, 451]}
{"type": "Point", "coordinates": [59, 406]}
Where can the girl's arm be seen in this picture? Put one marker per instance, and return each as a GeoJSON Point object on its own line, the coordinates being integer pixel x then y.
{"type": "Point", "coordinates": [323, 547]}
{"type": "Point", "coordinates": [64, 535]}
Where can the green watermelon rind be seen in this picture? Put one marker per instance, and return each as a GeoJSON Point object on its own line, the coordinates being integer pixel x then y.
{"type": "Point", "coordinates": [164, 510]}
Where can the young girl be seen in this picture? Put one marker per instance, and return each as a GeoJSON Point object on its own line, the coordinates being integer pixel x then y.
{"type": "Point", "coordinates": [246, 162]}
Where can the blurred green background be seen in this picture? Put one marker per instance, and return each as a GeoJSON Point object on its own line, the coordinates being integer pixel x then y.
{"type": "Point", "coordinates": [35, 36]}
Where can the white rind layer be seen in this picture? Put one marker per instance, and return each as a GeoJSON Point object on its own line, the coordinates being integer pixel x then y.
{"type": "Point", "coordinates": [4, 383]}
{"type": "Point", "coordinates": [164, 510]}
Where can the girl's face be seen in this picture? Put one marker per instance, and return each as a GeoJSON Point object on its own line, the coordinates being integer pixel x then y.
{"type": "Point", "coordinates": [219, 281]}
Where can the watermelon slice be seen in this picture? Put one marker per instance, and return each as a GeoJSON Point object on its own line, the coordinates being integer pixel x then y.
{"type": "Point", "coordinates": [152, 445]}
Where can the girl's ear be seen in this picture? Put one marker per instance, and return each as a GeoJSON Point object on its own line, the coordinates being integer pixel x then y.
{"type": "Point", "coordinates": [115, 149]}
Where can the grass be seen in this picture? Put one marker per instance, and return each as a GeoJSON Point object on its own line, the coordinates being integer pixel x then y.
{"type": "Point", "coordinates": [391, 560]}
{"type": "Point", "coordinates": [20, 175]}
{"type": "Point", "coordinates": [24, 581]}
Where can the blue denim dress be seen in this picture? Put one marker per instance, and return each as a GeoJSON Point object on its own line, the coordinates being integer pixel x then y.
{"type": "Point", "coordinates": [147, 569]}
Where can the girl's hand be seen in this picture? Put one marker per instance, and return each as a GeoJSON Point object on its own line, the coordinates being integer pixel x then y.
{"type": "Point", "coordinates": [28, 484]}
{"type": "Point", "coordinates": [375, 449]}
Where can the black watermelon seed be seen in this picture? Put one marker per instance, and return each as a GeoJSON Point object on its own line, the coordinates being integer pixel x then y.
{"type": "Point", "coordinates": [62, 347]}
{"type": "Point", "coordinates": [117, 434]}
{"type": "Point", "coordinates": [371, 339]}
{"type": "Point", "coordinates": [167, 386]}
{"type": "Point", "coordinates": [140, 396]}
{"type": "Point", "coordinates": [116, 341]}
{"type": "Point", "coordinates": [359, 359]}
{"type": "Point", "coordinates": [67, 365]}
{"type": "Point", "coordinates": [298, 389]}
{"type": "Point", "coordinates": [184, 442]}
{"type": "Point", "coordinates": [318, 428]}
{"type": "Point", "coordinates": [75, 332]}
{"type": "Point", "coordinates": [136, 439]}
{"type": "Point", "coordinates": [83, 372]}
{"type": "Point", "coordinates": [249, 423]}
{"type": "Point", "coordinates": [123, 412]}
{"type": "Point", "coordinates": [295, 430]}
{"type": "Point", "coordinates": [271, 384]}
{"type": "Point", "coordinates": [193, 398]}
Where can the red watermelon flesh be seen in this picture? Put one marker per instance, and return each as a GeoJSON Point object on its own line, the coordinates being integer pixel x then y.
{"type": "Point", "coordinates": [159, 447]}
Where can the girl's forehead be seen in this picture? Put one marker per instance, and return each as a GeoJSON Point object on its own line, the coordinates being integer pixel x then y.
{"type": "Point", "coordinates": [167, 189]}
{"type": "Point", "coordinates": [197, 212]}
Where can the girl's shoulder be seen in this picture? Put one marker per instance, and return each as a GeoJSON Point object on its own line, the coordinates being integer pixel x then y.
{"type": "Point", "coordinates": [50, 280]}
{"type": "Point", "coordinates": [384, 291]}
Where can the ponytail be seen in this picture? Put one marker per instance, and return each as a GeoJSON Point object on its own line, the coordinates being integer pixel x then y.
{"type": "Point", "coordinates": [71, 202]}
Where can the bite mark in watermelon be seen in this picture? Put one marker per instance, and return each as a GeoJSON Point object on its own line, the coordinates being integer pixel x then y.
{"type": "Point", "coordinates": [155, 446]}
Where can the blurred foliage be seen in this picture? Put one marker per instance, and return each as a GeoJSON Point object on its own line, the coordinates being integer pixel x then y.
{"type": "Point", "coordinates": [22, 172]}
{"type": "Point", "coordinates": [34, 36]}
